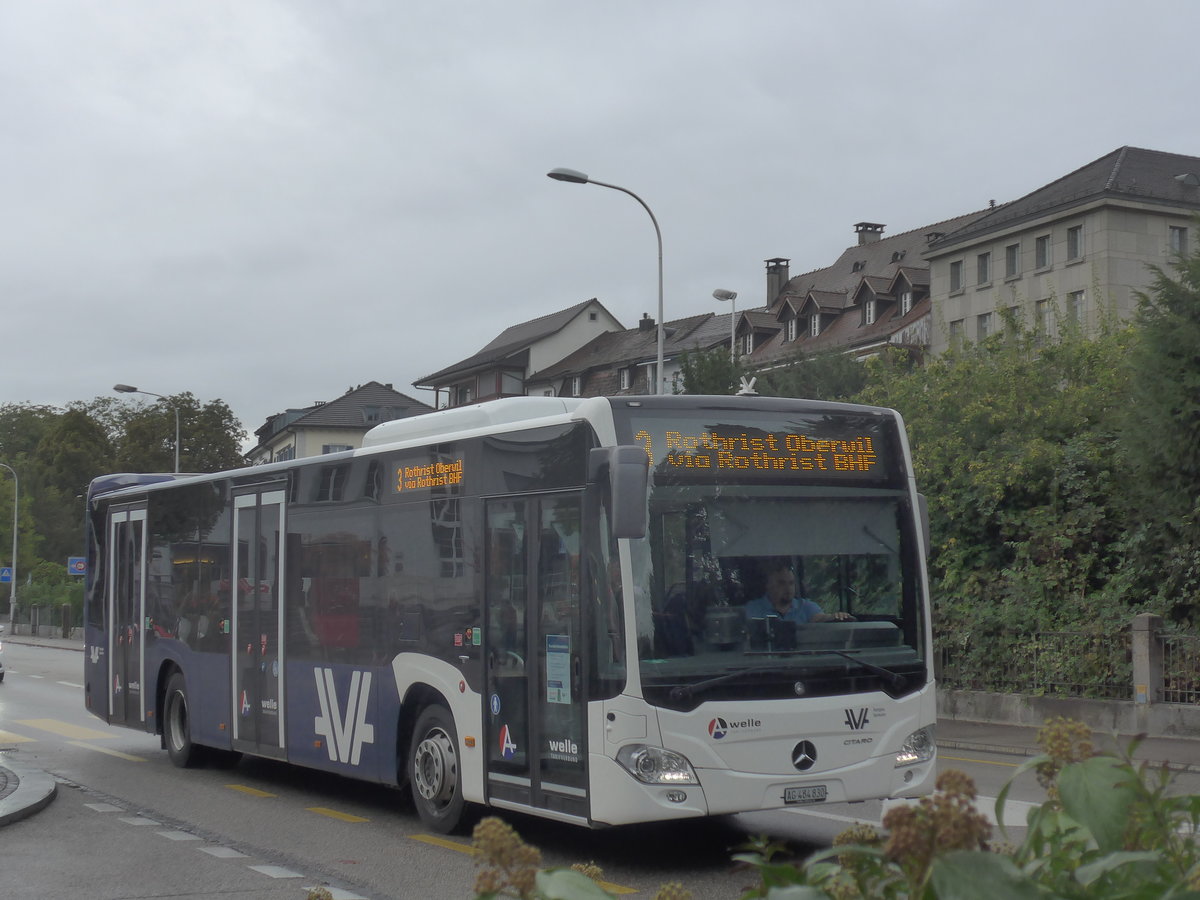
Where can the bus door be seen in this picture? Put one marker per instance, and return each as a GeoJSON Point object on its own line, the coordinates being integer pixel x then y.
{"type": "Point", "coordinates": [534, 692]}
{"type": "Point", "coordinates": [126, 615]}
{"type": "Point", "coordinates": [257, 655]}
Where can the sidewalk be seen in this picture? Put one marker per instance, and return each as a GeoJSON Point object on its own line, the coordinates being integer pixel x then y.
{"type": "Point", "coordinates": [1180, 754]}
{"type": "Point", "coordinates": [24, 790]}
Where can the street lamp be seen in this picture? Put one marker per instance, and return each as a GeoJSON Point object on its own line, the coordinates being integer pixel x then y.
{"type": "Point", "coordinates": [130, 389]}
{"type": "Point", "coordinates": [731, 296]}
{"type": "Point", "coordinates": [579, 178]}
{"type": "Point", "coordinates": [12, 588]}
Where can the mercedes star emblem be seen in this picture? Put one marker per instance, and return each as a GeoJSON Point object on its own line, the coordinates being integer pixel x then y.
{"type": "Point", "coordinates": [804, 754]}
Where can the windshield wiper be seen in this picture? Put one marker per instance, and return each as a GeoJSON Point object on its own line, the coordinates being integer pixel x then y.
{"type": "Point", "coordinates": [685, 691]}
{"type": "Point", "coordinates": [895, 679]}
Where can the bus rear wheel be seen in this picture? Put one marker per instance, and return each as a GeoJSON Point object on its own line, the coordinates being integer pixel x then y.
{"type": "Point", "coordinates": [434, 771]}
{"type": "Point", "coordinates": [177, 729]}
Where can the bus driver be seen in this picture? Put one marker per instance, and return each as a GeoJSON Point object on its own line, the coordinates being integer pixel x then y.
{"type": "Point", "coordinates": [781, 601]}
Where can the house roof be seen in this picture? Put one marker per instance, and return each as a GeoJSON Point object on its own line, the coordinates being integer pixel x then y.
{"type": "Point", "coordinates": [344, 412]}
{"type": "Point", "coordinates": [1129, 173]}
{"type": "Point", "coordinates": [881, 259]}
{"type": "Point", "coordinates": [615, 349]}
{"type": "Point", "coordinates": [878, 265]}
{"type": "Point", "coordinates": [512, 344]}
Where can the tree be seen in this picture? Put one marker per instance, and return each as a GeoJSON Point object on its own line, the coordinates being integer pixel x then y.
{"type": "Point", "coordinates": [210, 436]}
{"type": "Point", "coordinates": [828, 375]}
{"type": "Point", "coordinates": [709, 372]}
{"type": "Point", "coordinates": [1161, 440]}
{"type": "Point", "coordinates": [1014, 444]}
{"type": "Point", "coordinates": [69, 456]}
{"type": "Point", "coordinates": [22, 427]}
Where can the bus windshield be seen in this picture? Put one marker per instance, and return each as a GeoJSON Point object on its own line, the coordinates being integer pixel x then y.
{"type": "Point", "coordinates": [781, 559]}
{"type": "Point", "coordinates": [804, 591]}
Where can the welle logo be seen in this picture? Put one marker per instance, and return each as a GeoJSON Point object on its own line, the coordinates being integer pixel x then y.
{"type": "Point", "coordinates": [344, 732]}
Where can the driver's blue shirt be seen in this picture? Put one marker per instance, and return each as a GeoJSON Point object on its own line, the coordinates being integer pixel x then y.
{"type": "Point", "coordinates": [799, 611]}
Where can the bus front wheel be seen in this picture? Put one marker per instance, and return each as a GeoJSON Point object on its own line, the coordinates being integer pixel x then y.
{"type": "Point", "coordinates": [434, 770]}
{"type": "Point", "coordinates": [177, 730]}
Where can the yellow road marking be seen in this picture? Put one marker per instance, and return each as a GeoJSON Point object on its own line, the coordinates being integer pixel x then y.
{"type": "Point", "coordinates": [253, 792]}
{"type": "Point", "coordinates": [982, 762]}
{"type": "Point", "coordinates": [7, 737]}
{"type": "Point", "coordinates": [334, 814]}
{"type": "Point", "coordinates": [66, 729]}
{"type": "Point", "coordinates": [445, 842]}
{"type": "Point", "coordinates": [117, 753]}
{"type": "Point", "coordinates": [471, 851]}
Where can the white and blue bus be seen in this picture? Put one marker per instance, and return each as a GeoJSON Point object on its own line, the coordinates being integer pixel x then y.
{"type": "Point", "coordinates": [550, 605]}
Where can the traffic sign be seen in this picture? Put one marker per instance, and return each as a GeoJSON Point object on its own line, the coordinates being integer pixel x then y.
{"type": "Point", "coordinates": [5, 574]}
{"type": "Point", "coordinates": [77, 565]}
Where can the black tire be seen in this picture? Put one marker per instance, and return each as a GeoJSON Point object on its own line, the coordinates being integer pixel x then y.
{"type": "Point", "coordinates": [177, 728]}
{"type": "Point", "coordinates": [434, 772]}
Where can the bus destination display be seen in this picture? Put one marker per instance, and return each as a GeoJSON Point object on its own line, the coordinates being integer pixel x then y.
{"type": "Point", "coordinates": [825, 449]}
{"type": "Point", "coordinates": [443, 473]}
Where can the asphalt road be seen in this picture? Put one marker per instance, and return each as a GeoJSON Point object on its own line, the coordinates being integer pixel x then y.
{"type": "Point", "coordinates": [127, 824]}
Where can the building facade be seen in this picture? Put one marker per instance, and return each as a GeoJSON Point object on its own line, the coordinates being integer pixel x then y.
{"type": "Point", "coordinates": [1071, 253]}
{"type": "Point", "coordinates": [333, 426]}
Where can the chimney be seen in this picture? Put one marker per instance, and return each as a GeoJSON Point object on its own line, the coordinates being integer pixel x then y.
{"type": "Point", "coordinates": [868, 232]}
{"type": "Point", "coordinates": [777, 277]}
{"type": "Point", "coordinates": [646, 323]}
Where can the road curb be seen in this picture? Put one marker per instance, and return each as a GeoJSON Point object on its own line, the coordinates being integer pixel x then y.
{"type": "Point", "coordinates": [33, 792]}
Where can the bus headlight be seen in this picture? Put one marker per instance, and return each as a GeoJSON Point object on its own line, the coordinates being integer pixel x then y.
{"type": "Point", "coordinates": [918, 747]}
{"type": "Point", "coordinates": [654, 765]}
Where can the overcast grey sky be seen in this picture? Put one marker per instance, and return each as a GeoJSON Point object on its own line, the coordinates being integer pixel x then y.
{"type": "Point", "coordinates": [270, 202]}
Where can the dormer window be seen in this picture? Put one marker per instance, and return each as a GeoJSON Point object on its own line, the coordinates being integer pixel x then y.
{"type": "Point", "coordinates": [814, 325]}
{"type": "Point", "coordinates": [748, 343]}
{"type": "Point", "coordinates": [906, 302]}
{"type": "Point", "coordinates": [791, 329]}
{"type": "Point", "coordinates": [869, 312]}
{"type": "Point", "coordinates": [576, 386]}
{"type": "Point", "coordinates": [858, 266]}
{"type": "Point", "coordinates": [626, 378]}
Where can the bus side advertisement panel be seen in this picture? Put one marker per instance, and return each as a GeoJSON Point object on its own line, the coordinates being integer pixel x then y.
{"type": "Point", "coordinates": [336, 720]}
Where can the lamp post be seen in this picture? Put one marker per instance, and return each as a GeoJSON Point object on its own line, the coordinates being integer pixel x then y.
{"type": "Point", "coordinates": [12, 588]}
{"type": "Point", "coordinates": [130, 389]}
{"type": "Point", "coordinates": [731, 296]}
{"type": "Point", "coordinates": [579, 178]}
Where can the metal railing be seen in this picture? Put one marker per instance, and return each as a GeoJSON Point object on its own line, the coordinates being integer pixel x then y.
{"type": "Point", "coordinates": [1142, 662]}
{"type": "Point", "coordinates": [1048, 663]}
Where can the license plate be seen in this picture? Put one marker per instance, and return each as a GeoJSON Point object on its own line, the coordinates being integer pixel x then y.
{"type": "Point", "coordinates": [813, 793]}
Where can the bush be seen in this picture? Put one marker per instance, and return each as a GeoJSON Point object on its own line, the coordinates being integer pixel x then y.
{"type": "Point", "coordinates": [1109, 828]}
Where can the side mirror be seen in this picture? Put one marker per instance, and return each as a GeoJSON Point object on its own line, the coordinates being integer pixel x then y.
{"type": "Point", "coordinates": [628, 471]}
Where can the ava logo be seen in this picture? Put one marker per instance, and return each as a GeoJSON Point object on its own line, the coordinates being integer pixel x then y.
{"type": "Point", "coordinates": [718, 728]}
{"type": "Point", "coordinates": [344, 732]}
{"type": "Point", "coordinates": [856, 719]}
{"type": "Point", "coordinates": [245, 704]}
{"type": "Point", "coordinates": [508, 749]}
{"type": "Point", "coordinates": [96, 652]}
{"type": "Point", "coordinates": [116, 684]}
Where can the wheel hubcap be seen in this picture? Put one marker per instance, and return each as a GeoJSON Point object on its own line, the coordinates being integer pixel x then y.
{"type": "Point", "coordinates": [435, 768]}
{"type": "Point", "coordinates": [178, 721]}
